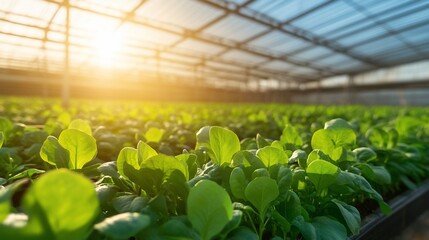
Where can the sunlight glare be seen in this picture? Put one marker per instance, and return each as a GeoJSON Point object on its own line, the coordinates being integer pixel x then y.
{"type": "Point", "coordinates": [107, 45]}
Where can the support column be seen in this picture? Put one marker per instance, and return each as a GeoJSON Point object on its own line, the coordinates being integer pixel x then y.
{"type": "Point", "coordinates": [66, 76]}
{"type": "Point", "coordinates": [351, 94]}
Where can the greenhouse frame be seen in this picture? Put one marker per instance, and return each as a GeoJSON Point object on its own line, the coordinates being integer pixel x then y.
{"type": "Point", "coordinates": [286, 47]}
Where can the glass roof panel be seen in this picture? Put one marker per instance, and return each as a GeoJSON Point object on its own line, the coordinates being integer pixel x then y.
{"type": "Point", "coordinates": [313, 53]}
{"type": "Point", "coordinates": [323, 37]}
{"type": "Point", "coordinates": [284, 10]}
{"type": "Point", "coordinates": [241, 56]}
{"type": "Point", "coordinates": [235, 28]}
{"type": "Point", "coordinates": [280, 42]}
{"type": "Point", "coordinates": [199, 46]}
{"type": "Point", "coordinates": [278, 65]}
{"type": "Point", "coordinates": [177, 12]}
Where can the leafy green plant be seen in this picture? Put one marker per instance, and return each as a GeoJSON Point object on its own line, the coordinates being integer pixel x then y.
{"type": "Point", "coordinates": [73, 149]}
{"type": "Point", "coordinates": [209, 208]}
{"type": "Point", "coordinates": [59, 205]}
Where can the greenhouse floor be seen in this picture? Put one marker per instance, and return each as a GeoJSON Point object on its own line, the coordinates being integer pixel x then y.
{"type": "Point", "coordinates": [419, 230]}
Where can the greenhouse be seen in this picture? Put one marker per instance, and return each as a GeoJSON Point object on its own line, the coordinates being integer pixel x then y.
{"type": "Point", "coordinates": [214, 119]}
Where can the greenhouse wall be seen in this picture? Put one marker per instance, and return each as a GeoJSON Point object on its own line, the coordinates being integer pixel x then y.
{"type": "Point", "coordinates": [380, 97]}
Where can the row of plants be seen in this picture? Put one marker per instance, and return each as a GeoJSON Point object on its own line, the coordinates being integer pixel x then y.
{"type": "Point", "coordinates": [78, 179]}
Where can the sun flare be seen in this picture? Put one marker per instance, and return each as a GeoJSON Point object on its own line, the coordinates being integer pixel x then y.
{"type": "Point", "coordinates": [107, 45]}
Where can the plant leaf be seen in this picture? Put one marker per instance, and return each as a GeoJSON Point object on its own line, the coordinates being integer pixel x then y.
{"type": "Point", "coordinates": [81, 125]}
{"type": "Point", "coordinates": [81, 146]}
{"type": "Point", "coordinates": [209, 208]}
{"type": "Point", "coordinates": [261, 191]}
{"type": "Point", "coordinates": [271, 156]}
{"type": "Point", "coordinates": [322, 174]}
{"type": "Point", "coordinates": [328, 229]}
{"type": "Point", "coordinates": [144, 152]}
{"type": "Point", "coordinates": [350, 214]}
{"type": "Point", "coordinates": [237, 183]}
{"type": "Point", "coordinates": [224, 143]}
{"type": "Point", "coordinates": [66, 200]}
{"type": "Point", "coordinates": [53, 153]}
{"type": "Point", "coordinates": [124, 225]}
{"type": "Point", "coordinates": [154, 134]}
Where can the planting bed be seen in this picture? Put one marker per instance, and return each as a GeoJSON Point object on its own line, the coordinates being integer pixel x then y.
{"type": "Point", "coordinates": [205, 171]}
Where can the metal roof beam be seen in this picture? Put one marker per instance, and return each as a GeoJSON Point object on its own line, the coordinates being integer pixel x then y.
{"type": "Point", "coordinates": [291, 30]}
{"type": "Point", "coordinates": [261, 74]}
{"type": "Point", "coordinates": [364, 27]}
{"type": "Point", "coordinates": [203, 37]}
{"type": "Point", "coordinates": [382, 23]}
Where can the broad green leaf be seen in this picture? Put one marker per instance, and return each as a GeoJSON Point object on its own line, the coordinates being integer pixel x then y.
{"type": "Point", "coordinates": [337, 123]}
{"type": "Point", "coordinates": [53, 153]}
{"type": "Point", "coordinates": [321, 140]}
{"type": "Point", "coordinates": [209, 208]}
{"type": "Point", "coordinates": [291, 136]}
{"type": "Point", "coordinates": [109, 169]}
{"type": "Point", "coordinates": [290, 208]}
{"type": "Point", "coordinates": [224, 143]}
{"type": "Point", "coordinates": [237, 215]}
{"type": "Point", "coordinates": [129, 203]}
{"type": "Point", "coordinates": [298, 179]}
{"type": "Point", "coordinates": [322, 174]}
{"type": "Point", "coordinates": [365, 154]}
{"type": "Point", "coordinates": [203, 137]}
{"type": "Point", "coordinates": [329, 140]}
{"type": "Point", "coordinates": [281, 222]}
{"type": "Point", "coordinates": [299, 156]}
{"type": "Point", "coordinates": [271, 156]}
{"type": "Point", "coordinates": [127, 155]}
{"type": "Point", "coordinates": [242, 233]}
{"type": "Point", "coordinates": [247, 159]}
{"type": "Point", "coordinates": [191, 162]}
{"type": "Point", "coordinates": [106, 193]}
{"type": "Point", "coordinates": [261, 141]}
{"type": "Point", "coordinates": [350, 215]}
{"type": "Point", "coordinates": [144, 152]}
{"type": "Point", "coordinates": [66, 200]}
{"type": "Point", "coordinates": [81, 125]}
{"type": "Point", "coordinates": [338, 154]}
{"type": "Point", "coordinates": [307, 230]}
{"type": "Point", "coordinates": [123, 226]}
{"type": "Point", "coordinates": [406, 125]}
{"type": "Point", "coordinates": [167, 164]}
{"type": "Point", "coordinates": [81, 146]}
{"type": "Point", "coordinates": [377, 174]}
{"type": "Point", "coordinates": [1, 139]}
{"type": "Point", "coordinates": [260, 172]}
{"type": "Point", "coordinates": [237, 183]}
{"type": "Point", "coordinates": [277, 144]}
{"type": "Point", "coordinates": [377, 137]}
{"type": "Point", "coordinates": [175, 229]}
{"type": "Point", "coordinates": [359, 184]}
{"type": "Point", "coordinates": [316, 154]}
{"type": "Point", "coordinates": [261, 191]}
{"type": "Point", "coordinates": [284, 181]}
{"type": "Point", "coordinates": [154, 134]}
{"type": "Point", "coordinates": [328, 229]}
{"type": "Point", "coordinates": [342, 137]}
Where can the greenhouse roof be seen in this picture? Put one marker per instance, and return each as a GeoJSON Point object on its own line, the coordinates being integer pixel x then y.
{"type": "Point", "coordinates": [235, 40]}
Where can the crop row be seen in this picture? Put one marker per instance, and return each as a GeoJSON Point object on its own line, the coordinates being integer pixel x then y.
{"type": "Point", "coordinates": [149, 176]}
